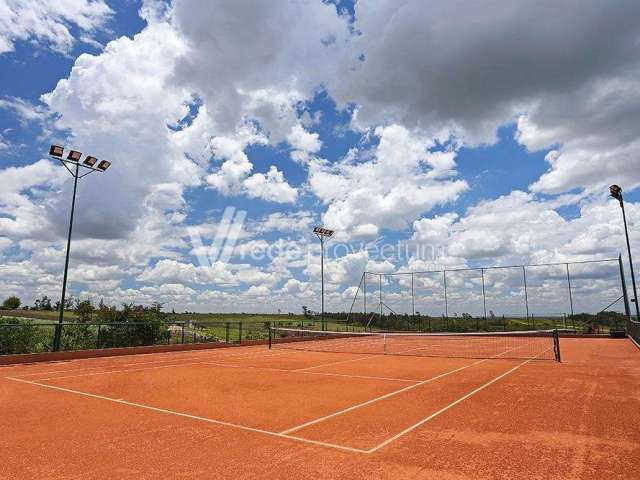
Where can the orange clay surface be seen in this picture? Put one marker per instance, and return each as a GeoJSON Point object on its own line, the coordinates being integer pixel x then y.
{"type": "Point", "coordinates": [249, 412]}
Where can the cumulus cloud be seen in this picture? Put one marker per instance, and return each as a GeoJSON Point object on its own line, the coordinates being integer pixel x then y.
{"type": "Point", "coordinates": [402, 181]}
{"type": "Point", "coordinates": [234, 177]}
{"type": "Point", "coordinates": [245, 63]}
{"type": "Point", "coordinates": [519, 228]}
{"type": "Point", "coordinates": [22, 217]}
{"type": "Point", "coordinates": [270, 186]}
{"type": "Point", "coordinates": [303, 143]}
{"type": "Point", "coordinates": [181, 104]}
{"type": "Point", "coordinates": [286, 222]}
{"type": "Point", "coordinates": [50, 24]}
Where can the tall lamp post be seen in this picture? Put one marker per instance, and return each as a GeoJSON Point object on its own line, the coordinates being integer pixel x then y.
{"type": "Point", "coordinates": [322, 233]}
{"type": "Point", "coordinates": [73, 165]}
{"type": "Point", "coordinates": [616, 192]}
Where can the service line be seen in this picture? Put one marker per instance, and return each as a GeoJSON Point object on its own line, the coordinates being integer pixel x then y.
{"type": "Point", "coordinates": [192, 417]}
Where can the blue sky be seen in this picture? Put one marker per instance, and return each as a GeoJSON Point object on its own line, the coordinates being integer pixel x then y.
{"type": "Point", "coordinates": [373, 120]}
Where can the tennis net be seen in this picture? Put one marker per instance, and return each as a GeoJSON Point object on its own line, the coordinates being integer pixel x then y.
{"type": "Point", "coordinates": [538, 345]}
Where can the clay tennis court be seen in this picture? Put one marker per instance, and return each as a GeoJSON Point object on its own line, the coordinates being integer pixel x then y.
{"type": "Point", "coordinates": [254, 412]}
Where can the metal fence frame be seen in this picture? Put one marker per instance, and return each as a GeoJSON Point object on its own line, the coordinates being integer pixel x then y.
{"type": "Point", "coordinates": [381, 305]}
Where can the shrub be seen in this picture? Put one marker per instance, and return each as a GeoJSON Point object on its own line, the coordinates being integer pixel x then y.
{"type": "Point", "coordinates": [11, 303]}
{"type": "Point", "coordinates": [23, 337]}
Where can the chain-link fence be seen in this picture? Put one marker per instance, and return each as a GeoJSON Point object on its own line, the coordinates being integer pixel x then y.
{"type": "Point", "coordinates": [518, 297]}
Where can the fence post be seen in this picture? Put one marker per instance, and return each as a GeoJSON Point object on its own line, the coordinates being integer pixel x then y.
{"type": "Point", "coordinates": [526, 295]}
{"type": "Point", "coordinates": [226, 332]}
{"type": "Point", "coordinates": [364, 293]}
{"type": "Point", "coordinates": [569, 284]}
{"type": "Point", "coordinates": [484, 297]}
{"type": "Point", "coordinates": [380, 289]}
{"type": "Point", "coordinates": [625, 294]}
{"type": "Point", "coordinates": [446, 303]}
{"type": "Point", "coordinates": [98, 337]}
{"type": "Point", "coordinates": [413, 302]}
{"type": "Point", "coordinates": [182, 334]}
{"type": "Point", "coordinates": [239, 333]}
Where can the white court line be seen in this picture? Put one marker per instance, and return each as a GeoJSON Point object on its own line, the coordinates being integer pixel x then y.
{"type": "Point", "coordinates": [192, 417]}
{"type": "Point", "coordinates": [177, 354]}
{"type": "Point", "coordinates": [162, 359]}
{"type": "Point", "coordinates": [377, 399]}
{"type": "Point", "coordinates": [127, 370]}
{"type": "Point", "coordinates": [48, 372]}
{"type": "Point", "coordinates": [159, 361]}
{"type": "Point", "coordinates": [156, 367]}
{"type": "Point", "coordinates": [451, 405]}
{"type": "Point", "coordinates": [334, 363]}
{"type": "Point", "coordinates": [410, 387]}
{"type": "Point", "coordinates": [176, 365]}
{"type": "Point", "coordinates": [302, 372]}
{"type": "Point", "coordinates": [283, 434]}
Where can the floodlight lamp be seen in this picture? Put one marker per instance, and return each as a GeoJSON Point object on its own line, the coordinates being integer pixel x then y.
{"type": "Point", "coordinates": [103, 165]}
{"type": "Point", "coordinates": [74, 156]}
{"type": "Point", "coordinates": [615, 191]}
{"type": "Point", "coordinates": [323, 232]}
{"type": "Point", "coordinates": [90, 161]}
{"type": "Point", "coordinates": [56, 151]}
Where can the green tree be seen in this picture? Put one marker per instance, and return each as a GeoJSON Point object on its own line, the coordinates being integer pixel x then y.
{"type": "Point", "coordinates": [11, 303]}
{"type": "Point", "coordinates": [84, 310]}
{"type": "Point", "coordinates": [43, 303]}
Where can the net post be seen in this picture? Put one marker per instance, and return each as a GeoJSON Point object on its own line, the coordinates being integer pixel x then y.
{"type": "Point", "coordinates": [556, 345]}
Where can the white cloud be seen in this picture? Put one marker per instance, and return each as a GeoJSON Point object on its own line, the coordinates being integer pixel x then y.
{"type": "Point", "coordinates": [303, 143]}
{"type": "Point", "coordinates": [50, 24]}
{"type": "Point", "coordinates": [300, 221]}
{"type": "Point", "coordinates": [401, 182]}
{"type": "Point", "coordinates": [246, 65]}
{"type": "Point", "coordinates": [180, 104]}
{"type": "Point", "coordinates": [234, 175]}
{"type": "Point", "coordinates": [270, 186]}
{"type": "Point", "coordinates": [518, 228]}
{"type": "Point", "coordinates": [22, 216]}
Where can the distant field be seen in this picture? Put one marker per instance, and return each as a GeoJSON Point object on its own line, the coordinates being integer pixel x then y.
{"type": "Point", "coordinates": [254, 323]}
{"type": "Point", "coordinates": [37, 315]}
{"type": "Point", "coordinates": [236, 317]}
{"type": "Point", "coordinates": [179, 317]}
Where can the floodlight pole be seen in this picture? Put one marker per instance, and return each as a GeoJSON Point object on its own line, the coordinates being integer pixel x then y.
{"type": "Point", "coordinates": [616, 192]}
{"type": "Point", "coordinates": [73, 159]}
{"type": "Point", "coordinates": [322, 279]}
{"type": "Point", "coordinates": [58, 332]}
{"type": "Point", "coordinates": [322, 233]}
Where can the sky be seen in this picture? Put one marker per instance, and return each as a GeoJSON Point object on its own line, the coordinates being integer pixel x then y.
{"type": "Point", "coordinates": [429, 136]}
